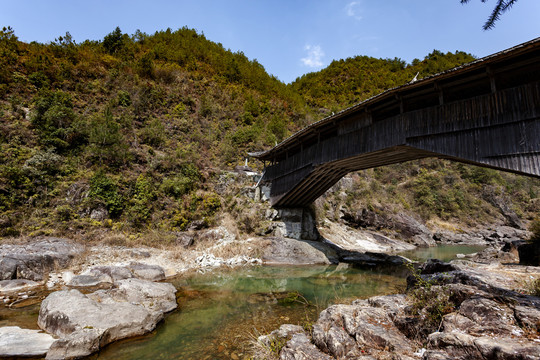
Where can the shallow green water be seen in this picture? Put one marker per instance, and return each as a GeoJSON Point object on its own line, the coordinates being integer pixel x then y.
{"type": "Point", "coordinates": [441, 252]}
{"type": "Point", "coordinates": [220, 311]}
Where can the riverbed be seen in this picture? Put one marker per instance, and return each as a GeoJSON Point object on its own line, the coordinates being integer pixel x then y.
{"type": "Point", "coordinates": [221, 311]}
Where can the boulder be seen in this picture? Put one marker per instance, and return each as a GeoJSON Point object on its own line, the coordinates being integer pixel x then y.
{"type": "Point", "coordinates": [344, 331]}
{"type": "Point", "coordinates": [301, 348]}
{"type": "Point", "coordinates": [297, 252]}
{"type": "Point", "coordinates": [285, 331]}
{"type": "Point", "coordinates": [147, 272]}
{"type": "Point", "coordinates": [110, 274]}
{"type": "Point", "coordinates": [17, 342]}
{"type": "Point", "coordinates": [17, 285]}
{"type": "Point", "coordinates": [528, 317]}
{"type": "Point", "coordinates": [455, 345]}
{"type": "Point", "coordinates": [35, 260]}
{"type": "Point", "coordinates": [84, 323]}
{"type": "Point", "coordinates": [84, 281]}
{"type": "Point", "coordinates": [487, 321]}
{"type": "Point", "coordinates": [433, 266]}
{"type": "Point", "coordinates": [487, 317]}
{"type": "Point", "coordinates": [443, 236]}
{"type": "Point", "coordinates": [361, 240]}
{"type": "Point", "coordinates": [507, 348]}
{"type": "Point", "coordinates": [371, 259]}
{"type": "Point", "coordinates": [185, 239]}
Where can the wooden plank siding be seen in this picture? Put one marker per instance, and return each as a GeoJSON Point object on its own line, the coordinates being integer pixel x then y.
{"type": "Point", "coordinates": [489, 123]}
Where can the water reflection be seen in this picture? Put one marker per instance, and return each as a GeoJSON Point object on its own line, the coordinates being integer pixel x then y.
{"type": "Point", "coordinates": [220, 311]}
{"type": "Point", "coordinates": [441, 252]}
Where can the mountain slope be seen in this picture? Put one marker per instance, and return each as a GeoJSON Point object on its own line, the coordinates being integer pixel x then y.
{"type": "Point", "coordinates": [130, 134]}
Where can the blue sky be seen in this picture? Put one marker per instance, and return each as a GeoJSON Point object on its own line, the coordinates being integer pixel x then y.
{"type": "Point", "coordinates": [289, 37]}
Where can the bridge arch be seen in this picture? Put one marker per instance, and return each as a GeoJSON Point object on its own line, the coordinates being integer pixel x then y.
{"type": "Point", "coordinates": [485, 113]}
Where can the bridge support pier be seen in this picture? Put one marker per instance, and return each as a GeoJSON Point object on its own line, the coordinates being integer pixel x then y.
{"type": "Point", "coordinates": [294, 223]}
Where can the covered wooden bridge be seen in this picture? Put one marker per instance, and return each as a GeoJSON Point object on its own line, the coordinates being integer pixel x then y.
{"type": "Point", "coordinates": [484, 113]}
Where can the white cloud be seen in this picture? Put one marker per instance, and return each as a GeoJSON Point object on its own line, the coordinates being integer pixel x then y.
{"type": "Point", "coordinates": [314, 56]}
{"type": "Point", "coordinates": [353, 10]}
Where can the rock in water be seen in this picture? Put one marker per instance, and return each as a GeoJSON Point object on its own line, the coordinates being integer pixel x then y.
{"type": "Point", "coordinates": [485, 320]}
{"type": "Point", "coordinates": [85, 323]}
{"type": "Point", "coordinates": [298, 252]}
{"type": "Point", "coordinates": [17, 342]}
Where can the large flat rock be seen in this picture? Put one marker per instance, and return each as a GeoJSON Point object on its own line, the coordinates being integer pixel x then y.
{"type": "Point", "coordinates": [17, 342]}
{"type": "Point", "coordinates": [360, 240]}
{"type": "Point", "coordinates": [7, 286]}
{"type": "Point", "coordinates": [34, 260]}
{"type": "Point", "coordinates": [85, 323]}
{"type": "Point", "coordinates": [297, 252]}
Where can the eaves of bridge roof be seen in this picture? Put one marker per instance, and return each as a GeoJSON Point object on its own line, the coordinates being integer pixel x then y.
{"type": "Point", "coordinates": [410, 89]}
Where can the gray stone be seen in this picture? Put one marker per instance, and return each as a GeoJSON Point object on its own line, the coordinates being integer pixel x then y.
{"type": "Point", "coordinates": [185, 239]}
{"type": "Point", "coordinates": [17, 342]}
{"type": "Point", "coordinates": [344, 330]}
{"type": "Point", "coordinates": [297, 252]}
{"type": "Point", "coordinates": [507, 348]}
{"type": "Point", "coordinates": [17, 285]}
{"type": "Point", "coordinates": [80, 343]}
{"type": "Point", "coordinates": [392, 304]}
{"type": "Point", "coordinates": [109, 274]}
{"type": "Point", "coordinates": [301, 348]}
{"type": "Point", "coordinates": [84, 281]}
{"type": "Point", "coordinates": [285, 331]}
{"type": "Point", "coordinates": [488, 317]}
{"type": "Point", "coordinates": [450, 237]}
{"type": "Point", "coordinates": [86, 322]}
{"type": "Point", "coordinates": [456, 345]}
{"type": "Point", "coordinates": [35, 260]}
{"type": "Point", "coordinates": [294, 223]}
{"type": "Point", "coordinates": [361, 240]}
{"type": "Point", "coordinates": [371, 259]}
{"type": "Point", "coordinates": [528, 317]}
{"type": "Point", "coordinates": [147, 272]}
{"type": "Point", "coordinates": [155, 297]}
{"type": "Point", "coordinates": [99, 213]}
{"type": "Point", "coordinates": [8, 268]}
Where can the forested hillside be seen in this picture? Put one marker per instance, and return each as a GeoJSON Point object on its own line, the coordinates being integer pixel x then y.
{"type": "Point", "coordinates": [129, 134]}
{"type": "Point", "coordinates": [346, 82]}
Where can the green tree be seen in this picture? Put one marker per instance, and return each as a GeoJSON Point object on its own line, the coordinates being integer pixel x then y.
{"type": "Point", "coordinates": [113, 41]}
{"type": "Point", "coordinates": [53, 118]}
{"type": "Point", "coordinates": [501, 7]}
{"type": "Point", "coordinates": [8, 53]}
{"type": "Point", "coordinates": [104, 189]}
{"type": "Point", "coordinates": [107, 144]}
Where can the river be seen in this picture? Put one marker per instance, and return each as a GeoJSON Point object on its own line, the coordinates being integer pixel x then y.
{"type": "Point", "coordinates": [222, 310]}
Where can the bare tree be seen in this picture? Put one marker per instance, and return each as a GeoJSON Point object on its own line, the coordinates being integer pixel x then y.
{"type": "Point", "coordinates": [501, 7]}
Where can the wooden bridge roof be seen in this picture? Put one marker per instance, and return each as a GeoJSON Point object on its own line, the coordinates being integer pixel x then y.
{"type": "Point", "coordinates": [466, 76]}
